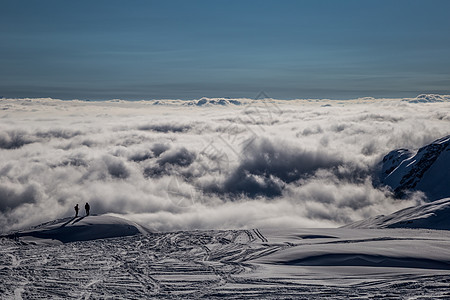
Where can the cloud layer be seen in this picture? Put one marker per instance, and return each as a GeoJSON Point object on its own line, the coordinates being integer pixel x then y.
{"type": "Point", "coordinates": [210, 164]}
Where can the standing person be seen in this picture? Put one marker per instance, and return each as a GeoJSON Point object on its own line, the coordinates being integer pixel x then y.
{"type": "Point", "coordinates": [76, 210]}
{"type": "Point", "coordinates": [87, 207]}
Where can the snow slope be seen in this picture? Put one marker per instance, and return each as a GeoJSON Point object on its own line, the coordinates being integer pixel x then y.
{"type": "Point", "coordinates": [81, 229]}
{"type": "Point", "coordinates": [266, 263]}
{"type": "Point", "coordinates": [289, 263]}
{"type": "Point", "coordinates": [361, 248]}
{"type": "Point", "coordinates": [428, 170]}
{"type": "Point", "coordinates": [433, 215]}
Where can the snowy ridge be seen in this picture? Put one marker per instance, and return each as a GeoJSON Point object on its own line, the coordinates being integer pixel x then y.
{"type": "Point", "coordinates": [202, 102]}
{"type": "Point", "coordinates": [433, 215]}
{"type": "Point", "coordinates": [429, 98]}
{"type": "Point", "coordinates": [85, 228]}
{"type": "Point", "coordinates": [213, 101]}
{"type": "Point", "coordinates": [428, 170]}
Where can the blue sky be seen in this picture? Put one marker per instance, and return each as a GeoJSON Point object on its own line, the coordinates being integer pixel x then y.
{"type": "Point", "coordinates": [190, 49]}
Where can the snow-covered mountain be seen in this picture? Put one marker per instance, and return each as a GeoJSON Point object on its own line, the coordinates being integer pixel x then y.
{"type": "Point", "coordinates": [202, 102]}
{"type": "Point", "coordinates": [429, 98]}
{"type": "Point", "coordinates": [427, 170]}
{"type": "Point", "coordinates": [213, 101]}
{"type": "Point", "coordinates": [85, 228]}
{"type": "Point", "coordinates": [433, 215]}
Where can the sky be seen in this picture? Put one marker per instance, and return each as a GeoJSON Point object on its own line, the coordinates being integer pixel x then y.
{"type": "Point", "coordinates": [190, 49]}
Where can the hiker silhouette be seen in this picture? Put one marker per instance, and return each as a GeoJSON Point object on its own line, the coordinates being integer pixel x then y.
{"type": "Point", "coordinates": [87, 208]}
{"type": "Point", "coordinates": [76, 210]}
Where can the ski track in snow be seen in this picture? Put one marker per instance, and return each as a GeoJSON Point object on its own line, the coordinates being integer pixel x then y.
{"type": "Point", "coordinates": [192, 264]}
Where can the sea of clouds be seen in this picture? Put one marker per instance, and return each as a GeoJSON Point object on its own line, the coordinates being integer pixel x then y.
{"type": "Point", "coordinates": [208, 163]}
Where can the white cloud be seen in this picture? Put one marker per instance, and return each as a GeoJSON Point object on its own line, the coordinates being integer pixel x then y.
{"type": "Point", "coordinates": [243, 164]}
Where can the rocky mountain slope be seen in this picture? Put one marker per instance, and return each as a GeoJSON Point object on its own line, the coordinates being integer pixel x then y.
{"type": "Point", "coordinates": [427, 170]}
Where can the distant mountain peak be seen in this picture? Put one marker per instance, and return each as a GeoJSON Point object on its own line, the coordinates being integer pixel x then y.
{"type": "Point", "coordinates": [429, 98]}
{"type": "Point", "coordinates": [427, 170]}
